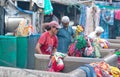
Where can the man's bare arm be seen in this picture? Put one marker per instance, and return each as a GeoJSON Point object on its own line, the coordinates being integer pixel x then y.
{"type": "Point", "coordinates": [37, 48]}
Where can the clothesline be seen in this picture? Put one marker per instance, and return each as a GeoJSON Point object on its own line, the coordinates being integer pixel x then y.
{"type": "Point", "coordinates": [108, 7]}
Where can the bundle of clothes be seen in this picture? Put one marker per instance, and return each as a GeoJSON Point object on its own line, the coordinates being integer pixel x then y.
{"type": "Point", "coordinates": [24, 29]}
{"type": "Point", "coordinates": [84, 46]}
{"type": "Point", "coordinates": [102, 69]}
{"type": "Point", "coordinates": [56, 63]}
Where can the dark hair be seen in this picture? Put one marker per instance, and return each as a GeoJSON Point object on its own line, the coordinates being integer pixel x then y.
{"type": "Point", "coordinates": [47, 28]}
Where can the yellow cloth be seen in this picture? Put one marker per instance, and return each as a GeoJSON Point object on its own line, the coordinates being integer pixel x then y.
{"type": "Point", "coordinates": [78, 30]}
{"type": "Point", "coordinates": [115, 71]}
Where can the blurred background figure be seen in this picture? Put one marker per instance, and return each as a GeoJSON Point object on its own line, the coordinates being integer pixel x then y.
{"type": "Point", "coordinates": [65, 35]}
{"type": "Point", "coordinates": [95, 36]}
{"type": "Point", "coordinates": [98, 31]}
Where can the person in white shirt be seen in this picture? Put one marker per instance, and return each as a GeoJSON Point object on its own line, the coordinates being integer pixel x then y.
{"type": "Point", "coordinates": [98, 31]}
{"type": "Point", "coordinates": [95, 36]}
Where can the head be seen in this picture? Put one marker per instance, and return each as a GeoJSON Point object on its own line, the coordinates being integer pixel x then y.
{"type": "Point", "coordinates": [99, 31]}
{"type": "Point", "coordinates": [54, 27]}
{"type": "Point", "coordinates": [65, 21]}
{"type": "Point", "coordinates": [46, 27]}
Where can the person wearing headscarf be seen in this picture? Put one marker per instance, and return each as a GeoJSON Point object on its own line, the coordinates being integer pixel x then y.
{"type": "Point", "coordinates": [48, 41]}
{"type": "Point", "coordinates": [65, 35]}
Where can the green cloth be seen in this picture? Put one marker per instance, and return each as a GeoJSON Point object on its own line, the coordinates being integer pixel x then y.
{"type": "Point", "coordinates": [117, 53]}
{"type": "Point", "coordinates": [97, 49]}
{"type": "Point", "coordinates": [81, 42]}
{"type": "Point", "coordinates": [48, 9]}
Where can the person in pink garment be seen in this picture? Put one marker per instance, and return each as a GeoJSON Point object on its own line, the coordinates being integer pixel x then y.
{"type": "Point", "coordinates": [48, 41]}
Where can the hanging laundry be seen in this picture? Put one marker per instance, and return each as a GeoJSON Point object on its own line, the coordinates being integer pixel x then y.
{"type": "Point", "coordinates": [48, 9]}
{"type": "Point", "coordinates": [96, 16]}
{"type": "Point", "coordinates": [108, 16]}
{"type": "Point", "coordinates": [89, 21]}
{"type": "Point", "coordinates": [82, 20]}
{"type": "Point", "coordinates": [104, 25]}
{"type": "Point", "coordinates": [117, 14]}
{"type": "Point", "coordinates": [92, 19]}
{"type": "Point", "coordinates": [117, 27]}
{"type": "Point", "coordinates": [106, 5]}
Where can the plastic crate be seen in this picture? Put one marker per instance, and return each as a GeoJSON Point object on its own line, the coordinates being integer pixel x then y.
{"type": "Point", "coordinates": [8, 51]}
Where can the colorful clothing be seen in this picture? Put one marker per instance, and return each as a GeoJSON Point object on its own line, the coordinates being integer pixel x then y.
{"type": "Point", "coordinates": [92, 19]}
{"type": "Point", "coordinates": [48, 42]}
{"type": "Point", "coordinates": [65, 38]}
{"type": "Point", "coordinates": [108, 16]}
{"type": "Point", "coordinates": [117, 14]}
{"type": "Point", "coordinates": [96, 44]}
{"type": "Point", "coordinates": [105, 26]}
{"type": "Point", "coordinates": [82, 20]}
{"type": "Point", "coordinates": [56, 62]}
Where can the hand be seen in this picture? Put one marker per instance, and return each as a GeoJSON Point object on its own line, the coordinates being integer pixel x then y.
{"type": "Point", "coordinates": [39, 52]}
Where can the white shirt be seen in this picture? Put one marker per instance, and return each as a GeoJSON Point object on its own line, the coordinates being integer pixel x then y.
{"type": "Point", "coordinates": [93, 35]}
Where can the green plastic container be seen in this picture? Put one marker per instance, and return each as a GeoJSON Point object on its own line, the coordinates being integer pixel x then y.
{"type": "Point", "coordinates": [8, 51]}
{"type": "Point", "coordinates": [22, 49]}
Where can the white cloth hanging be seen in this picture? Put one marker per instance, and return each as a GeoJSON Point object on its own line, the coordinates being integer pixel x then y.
{"type": "Point", "coordinates": [92, 19]}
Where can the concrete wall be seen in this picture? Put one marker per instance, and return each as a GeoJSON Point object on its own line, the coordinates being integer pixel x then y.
{"type": "Point", "coordinates": [118, 37]}
{"type": "Point", "coordinates": [17, 72]}
{"type": "Point", "coordinates": [114, 46]}
{"type": "Point", "coordinates": [114, 41]}
{"type": "Point", "coordinates": [71, 63]}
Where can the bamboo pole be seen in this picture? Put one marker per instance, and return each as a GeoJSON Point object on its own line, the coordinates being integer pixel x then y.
{"type": "Point", "coordinates": [30, 7]}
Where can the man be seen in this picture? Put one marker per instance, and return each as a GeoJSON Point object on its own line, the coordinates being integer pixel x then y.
{"type": "Point", "coordinates": [96, 37]}
{"type": "Point", "coordinates": [96, 34]}
{"type": "Point", "coordinates": [65, 35]}
{"type": "Point", "coordinates": [45, 27]}
{"type": "Point", "coordinates": [48, 41]}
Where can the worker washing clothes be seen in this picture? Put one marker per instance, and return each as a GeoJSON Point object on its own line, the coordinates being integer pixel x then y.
{"type": "Point", "coordinates": [48, 41]}
{"type": "Point", "coordinates": [65, 35]}
{"type": "Point", "coordinates": [95, 36]}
